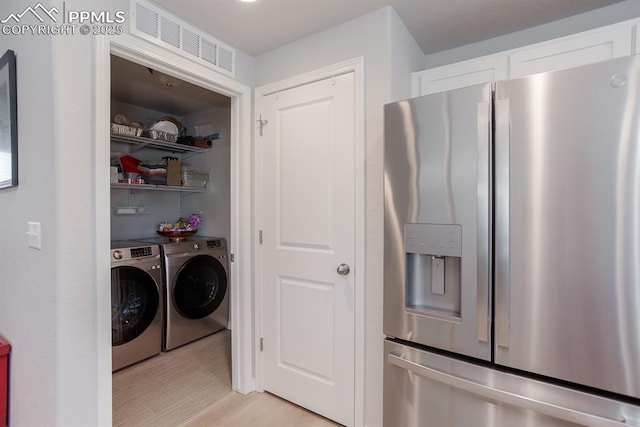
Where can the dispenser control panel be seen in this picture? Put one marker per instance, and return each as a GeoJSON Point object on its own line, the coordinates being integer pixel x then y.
{"type": "Point", "coordinates": [433, 239]}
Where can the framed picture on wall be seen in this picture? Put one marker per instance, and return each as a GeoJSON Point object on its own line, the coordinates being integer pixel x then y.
{"type": "Point", "coordinates": [8, 121]}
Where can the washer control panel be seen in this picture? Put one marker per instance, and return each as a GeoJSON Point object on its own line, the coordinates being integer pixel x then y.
{"type": "Point", "coordinates": [140, 252]}
{"type": "Point", "coordinates": [134, 252]}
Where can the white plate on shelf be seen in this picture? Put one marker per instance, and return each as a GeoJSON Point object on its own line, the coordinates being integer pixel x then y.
{"type": "Point", "coordinates": [165, 126]}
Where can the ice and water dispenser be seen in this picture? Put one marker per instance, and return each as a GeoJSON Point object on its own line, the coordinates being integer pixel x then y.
{"type": "Point", "coordinates": [433, 259]}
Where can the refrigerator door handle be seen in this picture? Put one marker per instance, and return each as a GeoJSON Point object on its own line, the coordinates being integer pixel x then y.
{"type": "Point", "coordinates": [504, 397]}
{"type": "Point", "coordinates": [502, 282]}
{"type": "Point", "coordinates": [483, 248]}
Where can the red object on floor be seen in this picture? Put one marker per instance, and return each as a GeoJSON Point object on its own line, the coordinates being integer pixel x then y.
{"type": "Point", "coordinates": [5, 348]}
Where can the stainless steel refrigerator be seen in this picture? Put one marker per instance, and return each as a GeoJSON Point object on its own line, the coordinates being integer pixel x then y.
{"type": "Point", "coordinates": [512, 252]}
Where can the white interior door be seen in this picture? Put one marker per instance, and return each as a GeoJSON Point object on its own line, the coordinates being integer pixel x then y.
{"type": "Point", "coordinates": [307, 220]}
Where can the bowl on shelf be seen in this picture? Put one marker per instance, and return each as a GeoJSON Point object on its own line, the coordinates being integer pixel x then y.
{"type": "Point", "coordinates": [177, 236]}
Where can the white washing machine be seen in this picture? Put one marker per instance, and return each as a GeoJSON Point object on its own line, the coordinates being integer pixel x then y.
{"type": "Point", "coordinates": [136, 302]}
{"type": "Point", "coordinates": [196, 288]}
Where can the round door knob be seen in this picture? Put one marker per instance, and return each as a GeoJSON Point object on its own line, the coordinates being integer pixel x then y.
{"type": "Point", "coordinates": [343, 269]}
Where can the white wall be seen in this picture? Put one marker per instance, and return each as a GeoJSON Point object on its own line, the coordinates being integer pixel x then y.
{"type": "Point", "coordinates": [390, 54]}
{"type": "Point", "coordinates": [617, 12]}
{"type": "Point", "coordinates": [48, 298]}
{"type": "Point", "coordinates": [406, 57]}
{"type": "Point", "coordinates": [76, 308]}
{"type": "Point", "coordinates": [47, 301]}
{"type": "Point", "coordinates": [215, 202]}
{"type": "Point", "coordinates": [245, 68]}
{"type": "Point", "coordinates": [28, 278]}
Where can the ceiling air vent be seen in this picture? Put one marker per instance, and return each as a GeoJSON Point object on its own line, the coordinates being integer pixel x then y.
{"type": "Point", "coordinates": [146, 20]}
{"type": "Point", "coordinates": [160, 27]}
{"type": "Point", "coordinates": [170, 32]}
{"type": "Point", "coordinates": [190, 42]}
{"type": "Point", "coordinates": [210, 52]}
{"type": "Point", "coordinates": [225, 59]}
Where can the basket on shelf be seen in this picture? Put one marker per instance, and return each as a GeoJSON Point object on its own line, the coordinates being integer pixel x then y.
{"type": "Point", "coordinates": [124, 130]}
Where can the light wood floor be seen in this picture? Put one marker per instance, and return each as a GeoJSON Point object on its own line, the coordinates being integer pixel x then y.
{"type": "Point", "coordinates": [191, 387]}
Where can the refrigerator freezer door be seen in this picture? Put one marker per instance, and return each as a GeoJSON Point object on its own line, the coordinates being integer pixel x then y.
{"type": "Point", "coordinates": [568, 225]}
{"type": "Point", "coordinates": [423, 389]}
{"type": "Point", "coordinates": [437, 248]}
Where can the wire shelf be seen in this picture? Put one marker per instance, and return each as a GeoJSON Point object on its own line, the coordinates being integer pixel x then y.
{"type": "Point", "coordinates": [141, 142]}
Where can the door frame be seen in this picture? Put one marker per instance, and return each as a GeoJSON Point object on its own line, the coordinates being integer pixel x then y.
{"type": "Point", "coordinates": [355, 65]}
{"type": "Point", "coordinates": [240, 245]}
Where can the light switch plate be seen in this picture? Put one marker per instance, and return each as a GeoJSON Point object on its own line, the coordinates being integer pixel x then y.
{"type": "Point", "coordinates": [34, 239]}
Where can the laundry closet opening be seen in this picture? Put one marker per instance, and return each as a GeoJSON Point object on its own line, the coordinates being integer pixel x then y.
{"type": "Point", "coordinates": [170, 203]}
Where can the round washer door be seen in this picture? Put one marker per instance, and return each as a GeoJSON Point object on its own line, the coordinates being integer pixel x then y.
{"type": "Point", "coordinates": [199, 287]}
{"type": "Point", "coordinates": [134, 303]}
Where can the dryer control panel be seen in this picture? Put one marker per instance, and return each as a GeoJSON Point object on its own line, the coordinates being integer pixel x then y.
{"type": "Point", "coordinates": [213, 244]}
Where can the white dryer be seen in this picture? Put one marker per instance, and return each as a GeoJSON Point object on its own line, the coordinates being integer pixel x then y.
{"type": "Point", "coordinates": [136, 302]}
{"type": "Point", "coordinates": [196, 289]}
